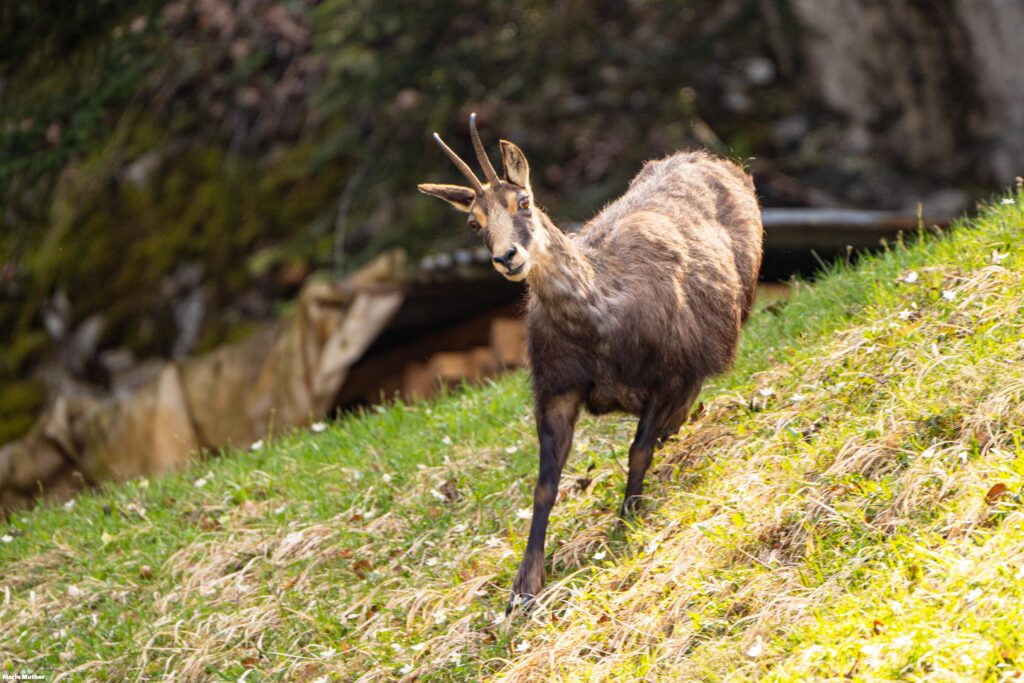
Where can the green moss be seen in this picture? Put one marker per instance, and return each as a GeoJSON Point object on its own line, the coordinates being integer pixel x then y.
{"type": "Point", "coordinates": [20, 403]}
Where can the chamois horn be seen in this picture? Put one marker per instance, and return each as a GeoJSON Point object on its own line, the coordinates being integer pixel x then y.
{"type": "Point", "coordinates": [461, 165]}
{"type": "Point", "coordinates": [481, 154]}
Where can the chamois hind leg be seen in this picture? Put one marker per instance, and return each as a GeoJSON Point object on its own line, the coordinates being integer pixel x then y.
{"type": "Point", "coordinates": [682, 415]}
{"type": "Point", "coordinates": [556, 419]}
{"type": "Point", "coordinates": [657, 424]}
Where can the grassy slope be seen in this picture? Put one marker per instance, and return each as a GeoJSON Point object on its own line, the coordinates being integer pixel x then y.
{"type": "Point", "coordinates": [827, 517]}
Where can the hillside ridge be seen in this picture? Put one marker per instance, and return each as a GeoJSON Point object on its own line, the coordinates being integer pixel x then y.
{"type": "Point", "coordinates": [848, 506]}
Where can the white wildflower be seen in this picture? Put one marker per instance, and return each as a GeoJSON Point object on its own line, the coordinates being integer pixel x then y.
{"type": "Point", "coordinates": [440, 496]}
{"type": "Point", "coordinates": [797, 397]}
{"type": "Point", "coordinates": [406, 668]}
{"type": "Point", "coordinates": [386, 478]}
{"type": "Point", "coordinates": [911, 277]}
{"type": "Point", "coordinates": [973, 595]}
{"type": "Point", "coordinates": [871, 651]}
{"type": "Point", "coordinates": [455, 658]}
{"type": "Point", "coordinates": [431, 562]}
{"type": "Point", "coordinates": [524, 513]}
{"type": "Point", "coordinates": [755, 649]}
{"type": "Point", "coordinates": [440, 617]}
{"type": "Point", "coordinates": [600, 555]}
{"type": "Point", "coordinates": [7, 538]}
{"type": "Point", "coordinates": [903, 641]}
{"type": "Point", "coordinates": [328, 653]}
{"type": "Point", "coordinates": [523, 646]}
{"type": "Point", "coordinates": [948, 294]}
{"type": "Point", "coordinates": [492, 542]}
{"type": "Point", "coordinates": [1006, 201]}
{"type": "Point", "coordinates": [651, 547]}
{"type": "Point", "coordinates": [280, 509]}
{"type": "Point", "coordinates": [318, 427]}
{"type": "Point", "coordinates": [290, 540]}
{"type": "Point", "coordinates": [200, 482]}
{"type": "Point", "coordinates": [258, 444]}
{"type": "Point", "coordinates": [998, 257]}
{"type": "Point", "coordinates": [512, 449]}
{"type": "Point", "coordinates": [447, 440]}
{"type": "Point", "coordinates": [499, 618]}
{"type": "Point", "coordinates": [905, 314]}
{"type": "Point", "coordinates": [766, 391]}
{"type": "Point", "coordinates": [70, 504]}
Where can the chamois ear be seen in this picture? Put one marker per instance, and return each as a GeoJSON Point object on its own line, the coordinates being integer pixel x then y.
{"type": "Point", "coordinates": [456, 195]}
{"type": "Point", "coordinates": [517, 171]}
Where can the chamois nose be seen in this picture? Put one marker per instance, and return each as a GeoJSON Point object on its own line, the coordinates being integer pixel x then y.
{"type": "Point", "coordinates": [506, 260]}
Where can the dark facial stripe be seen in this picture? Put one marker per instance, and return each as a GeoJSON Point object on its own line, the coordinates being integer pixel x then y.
{"type": "Point", "coordinates": [521, 230]}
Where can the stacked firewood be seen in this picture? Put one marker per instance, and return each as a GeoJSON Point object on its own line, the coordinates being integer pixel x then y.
{"type": "Point", "coordinates": [507, 349]}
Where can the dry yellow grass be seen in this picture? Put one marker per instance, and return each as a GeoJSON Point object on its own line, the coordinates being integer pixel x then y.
{"type": "Point", "coordinates": [847, 507]}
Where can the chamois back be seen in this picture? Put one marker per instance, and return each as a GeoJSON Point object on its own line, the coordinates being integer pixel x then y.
{"type": "Point", "coordinates": [706, 198]}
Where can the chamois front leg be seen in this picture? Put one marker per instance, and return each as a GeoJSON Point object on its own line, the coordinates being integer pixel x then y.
{"type": "Point", "coordinates": [556, 419]}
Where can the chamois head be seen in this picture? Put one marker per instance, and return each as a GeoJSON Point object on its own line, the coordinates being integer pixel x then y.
{"type": "Point", "coordinates": [501, 211]}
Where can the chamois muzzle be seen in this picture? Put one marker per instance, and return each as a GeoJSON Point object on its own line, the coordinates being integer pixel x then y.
{"type": "Point", "coordinates": [514, 264]}
{"type": "Point", "coordinates": [506, 259]}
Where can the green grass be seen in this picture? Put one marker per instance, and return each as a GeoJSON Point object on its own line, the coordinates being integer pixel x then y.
{"type": "Point", "coordinates": [848, 507]}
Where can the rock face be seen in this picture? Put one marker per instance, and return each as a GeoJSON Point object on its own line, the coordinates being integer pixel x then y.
{"type": "Point", "coordinates": [995, 30]}
{"type": "Point", "coordinates": [285, 375]}
{"type": "Point", "coordinates": [938, 85]}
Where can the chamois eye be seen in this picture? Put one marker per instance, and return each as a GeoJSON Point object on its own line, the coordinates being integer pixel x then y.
{"type": "Point", "coordinates": [524, 202]}
{"type": "Point", "coordinates": [474, 225]}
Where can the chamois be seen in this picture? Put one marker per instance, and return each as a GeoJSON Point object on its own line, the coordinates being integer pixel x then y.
{"type": "Point", "coordinates": [630, 314]}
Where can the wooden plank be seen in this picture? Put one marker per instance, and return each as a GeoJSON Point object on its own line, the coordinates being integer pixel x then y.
{"type": "Point", "coordinates": [418, 382]}
{"type": "Point", "coordinates": [450, 367]}
{"type": "Point", "coordinates": [484, 363]}
{"type": "Point", "coordinates": [830, 230]}
{"type": "Point", "coordinates": [508, 339]}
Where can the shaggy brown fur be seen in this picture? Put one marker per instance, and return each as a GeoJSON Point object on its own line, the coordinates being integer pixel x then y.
{"type": "Point", "coordinates": [631, 314]}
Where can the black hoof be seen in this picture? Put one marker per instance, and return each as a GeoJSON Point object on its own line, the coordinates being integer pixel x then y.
{"type": "Point", "coordinates": [630, 507]}
{"type": "Point", "coordinates": [523, 600]}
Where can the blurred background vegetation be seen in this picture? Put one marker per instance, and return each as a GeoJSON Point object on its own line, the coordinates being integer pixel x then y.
{"type": "Point", "coordinates": [171, 170]}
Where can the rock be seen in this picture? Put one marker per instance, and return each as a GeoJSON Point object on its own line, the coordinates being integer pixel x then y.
{"type": "Point", "coordinates": [937, 86]}
{"type": "Point", "coordinates": [32, 467]}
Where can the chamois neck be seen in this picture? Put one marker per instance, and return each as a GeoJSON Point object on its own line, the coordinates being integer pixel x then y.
{"type": "Point", "coordinates": [563, 273]}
